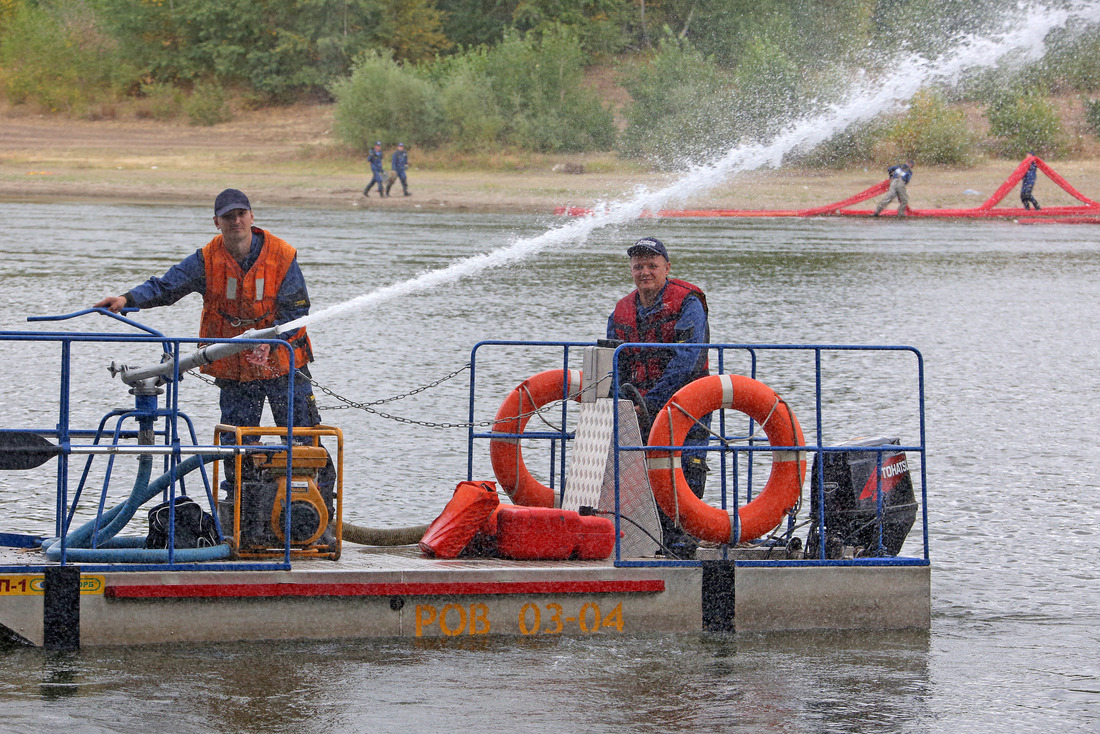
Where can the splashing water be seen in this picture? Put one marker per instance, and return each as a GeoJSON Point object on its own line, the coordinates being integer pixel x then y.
{"type": "Point", "coordinates": [1024, 39]}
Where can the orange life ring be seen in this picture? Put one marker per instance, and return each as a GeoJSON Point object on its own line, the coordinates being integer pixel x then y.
{"type": "Point", "coordinates": [512, 417]}
{"type": "Point", "coordinates": [784, 486]}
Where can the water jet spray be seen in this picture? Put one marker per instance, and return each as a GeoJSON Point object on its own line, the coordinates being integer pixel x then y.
{"type": "Point", "coordinates": [1025, 39]}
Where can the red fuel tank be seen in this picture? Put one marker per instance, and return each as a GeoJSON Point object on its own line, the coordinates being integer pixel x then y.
{"type": "Point", "coordinates": [460, 520]}
{"type": "Point", "coordinates": [548, 534]}
{"type": "Point", "coordinates": [595, 537]}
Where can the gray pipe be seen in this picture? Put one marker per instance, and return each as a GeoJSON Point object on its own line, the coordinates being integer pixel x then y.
{"type": "Point", "coordinates": [197, 358]}
{"type": "Point", "coordinates": [383, 536]}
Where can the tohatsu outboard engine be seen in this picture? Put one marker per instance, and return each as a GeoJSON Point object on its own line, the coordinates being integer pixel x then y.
{"type": "Point", "coordinates": [852, 506]}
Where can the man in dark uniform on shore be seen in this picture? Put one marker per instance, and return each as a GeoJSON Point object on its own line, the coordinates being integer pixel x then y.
{"type": "Point", "coordinates": [399, 162]}
{"type": "Point", "coordinates": [375, 160]}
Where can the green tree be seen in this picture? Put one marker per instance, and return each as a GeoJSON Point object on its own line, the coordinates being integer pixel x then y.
{"type": "Point", "coordinates": [472, 116]}
{"type": "Point", "coordinates": [383, 100]}
{"type": "Point", "coordinates": [682, 106]}
{"type": "Point", "coordinates": [1026, 122]}
{"type": "Point", "coordinates": [1074, 60]}
{"type": "Point", "coordinates": [1092, 114]}
{"type": "Point", "coordinates": [526, 92]}
{"type": "Point", "coordinates": [598, 25]}
{"type": "Point", "coordinates": [768, 85]}
{"type": "Point", "coordinates": [473, 23]}
{"type": "Point", "coordinates": [7, 12]}
{"type": "Point", "coordinates": [57, 55]}
{"type": "Point", "coordinates": [413, 30]}
{"type": "Point", "coordinates": [933, 132]}
{"type": "Point", "coordinates": [928, 26]}
{"type": "Point", "coordinates": [537, 81]}
{"type": "Point", "coordinates": [279, 49]}
{"type": "Point", "coordinates": [723, 29]}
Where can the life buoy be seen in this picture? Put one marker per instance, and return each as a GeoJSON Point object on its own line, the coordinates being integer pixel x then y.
{"type": "Point", "coordinates": [784, 486]}
{"type": "Point", "coordinates": [512, 417]}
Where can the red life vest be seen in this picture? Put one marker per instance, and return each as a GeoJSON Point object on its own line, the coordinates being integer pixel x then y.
{"type": "Point", "coordinates": [643, 367]}
{"type": "Point", "coordinates": [235, 302]}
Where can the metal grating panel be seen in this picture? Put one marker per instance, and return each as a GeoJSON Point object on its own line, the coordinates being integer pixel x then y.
{"type": "Point", "coordinates": [591, 477]}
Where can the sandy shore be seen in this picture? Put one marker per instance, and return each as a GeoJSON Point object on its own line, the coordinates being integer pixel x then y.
{"type": "Point", "coordinates": [290, 158]}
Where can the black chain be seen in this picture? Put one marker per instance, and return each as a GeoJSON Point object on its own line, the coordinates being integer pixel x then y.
{"type": "Point", "coordinates": [366, 407]}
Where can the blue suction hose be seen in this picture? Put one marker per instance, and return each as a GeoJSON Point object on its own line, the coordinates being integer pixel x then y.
{"type": "Point", "coordinates": [123, 550]}
{"type": "Point", "coordinates": [109, 525]}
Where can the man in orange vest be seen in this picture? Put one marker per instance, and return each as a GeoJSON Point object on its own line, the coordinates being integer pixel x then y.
{"type": "Point", "coordinates": [248, 278]}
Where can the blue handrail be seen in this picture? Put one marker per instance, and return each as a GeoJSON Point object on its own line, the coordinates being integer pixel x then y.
{"type": "Point", "coordinates": [103, 555]}
{"type": "Point", "coordinates": [742, 489]}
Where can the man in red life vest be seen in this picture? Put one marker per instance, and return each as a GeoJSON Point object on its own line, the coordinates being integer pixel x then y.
{"type": "Point", "coordinates": [248, 278]}
{"type": "Point", "coordinates": [668, 311]}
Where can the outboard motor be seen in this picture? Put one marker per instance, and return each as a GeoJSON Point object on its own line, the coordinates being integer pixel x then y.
{"type": "Point", "coordinates": [852, 505]}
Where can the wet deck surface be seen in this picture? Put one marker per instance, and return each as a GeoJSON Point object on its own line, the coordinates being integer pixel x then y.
{"type": "Point", "coordinates": [399, 558]}
{"type": "Point", "coordinates": [352, 558]}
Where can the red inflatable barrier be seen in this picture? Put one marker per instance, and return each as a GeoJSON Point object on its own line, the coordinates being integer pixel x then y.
{"type": "Point", "coordinates": [475, 523]}
{"type": "Point", "coordinates": [1085, 213]}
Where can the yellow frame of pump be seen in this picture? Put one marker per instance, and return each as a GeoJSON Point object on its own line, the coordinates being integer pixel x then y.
{"type": "Point", "coordinates": [315, 433]}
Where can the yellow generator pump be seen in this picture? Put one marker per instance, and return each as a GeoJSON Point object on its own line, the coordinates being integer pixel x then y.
{"type": "Point", "coordinates": [253, 514]}
{"type": "Point", "coordinates": [309, 515]}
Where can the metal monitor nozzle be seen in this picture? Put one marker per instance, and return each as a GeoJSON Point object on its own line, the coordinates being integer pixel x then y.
{"type": "Point", "coordinates": [197, 358]}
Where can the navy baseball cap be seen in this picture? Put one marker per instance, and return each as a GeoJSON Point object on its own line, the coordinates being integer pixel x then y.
{"type": "Point", "coordinates": [229, 200]}
{"type": "Point", "coordinates": [648, 246]}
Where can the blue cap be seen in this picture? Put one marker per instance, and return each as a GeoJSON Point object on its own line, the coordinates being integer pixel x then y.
{"type": "Point", "coordinates": [400, 145]}
{"type": "Point", "coordinates": [229, 200]}
{"type": "Point", "coordinates": [648, 246]}
{"type": "Point", "coordinates": [378, 143]}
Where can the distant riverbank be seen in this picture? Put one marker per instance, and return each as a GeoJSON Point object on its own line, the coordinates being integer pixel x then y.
{"type": "Point", "coordinates": [288, 157]}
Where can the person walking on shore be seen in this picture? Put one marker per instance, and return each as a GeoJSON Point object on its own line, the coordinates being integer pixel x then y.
{"type": "Point", "coordinates": [1027, 183]}
{"type": "Point", "coordinates": [375, 160]}
{"type": "Point", "coordinates": [398, 163]}
{"type": "Point", "coordinates": [899, 178]}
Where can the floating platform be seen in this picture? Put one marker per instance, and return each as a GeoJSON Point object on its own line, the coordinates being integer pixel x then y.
{"type": "Point", "coordinates": [300, 581]}
{"type": "Point", "coordinates": [399, 592]}
{"type": "Point", "coordinates": [1088, 212]}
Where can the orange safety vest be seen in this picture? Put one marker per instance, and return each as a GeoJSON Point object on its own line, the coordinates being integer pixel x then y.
{"type": "Point", "coordinates": [235, 302]}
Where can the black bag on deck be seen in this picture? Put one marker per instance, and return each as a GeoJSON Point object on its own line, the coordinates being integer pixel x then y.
{"type": "Point", "coordinates": [194, 526]}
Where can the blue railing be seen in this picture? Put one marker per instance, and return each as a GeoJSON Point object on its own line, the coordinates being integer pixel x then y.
{"type": "Point", "coordinates": [737, 489]}
{"type": "Point", "coordinates": [158, 431]}
{"type": "Point", "coordinates": [558, 439]}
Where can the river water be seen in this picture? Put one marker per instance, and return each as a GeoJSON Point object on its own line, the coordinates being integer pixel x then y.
{"type": "Point", "coordinates": [1004, 315]}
